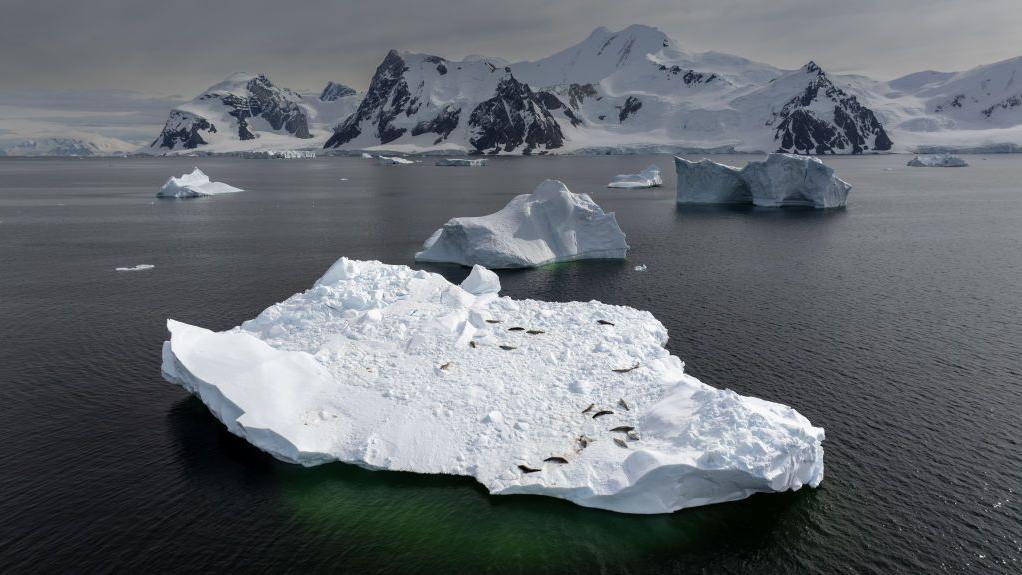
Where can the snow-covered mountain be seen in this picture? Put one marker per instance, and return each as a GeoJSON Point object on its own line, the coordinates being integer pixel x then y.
{"type": "Point", "coordinates": [83, 145]}
{"type": "Point", "coordinates": [631, 90]}
{"type": "Point", "coordinates": [246, 112]}
{"type": "Point", "coordinates": [614, 90]}
{"type": "Point", "coordinates": [417, 102]}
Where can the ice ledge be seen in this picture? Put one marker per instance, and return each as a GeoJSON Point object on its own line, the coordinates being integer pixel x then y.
{"type": "Point", "coordinates": [391, 368]}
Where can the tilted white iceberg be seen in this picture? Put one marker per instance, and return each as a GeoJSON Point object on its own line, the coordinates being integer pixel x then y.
{"type": "Point", "coordinates": [937, 161]}
{"type": "Point", "coordinates": [648, 178]}
{"type": "Point", "coordinates": [549, 225]}
{"type": "Point", "coordinates": [194, 185]}
{"type": "Point", "coordinates": [391, 368]}
{"type": "Point", "coordinates": [781, 180]}
{"type": "Point", "coordinates": [474, 162]}
{"type": "Point", "coordinates": [367, 156]}
{"type": "Point", "coordinates": [393, 161]}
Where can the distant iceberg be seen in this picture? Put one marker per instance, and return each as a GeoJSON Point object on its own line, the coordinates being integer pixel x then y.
{"type": "Point", "coordinates": [781, 180]}
{"type": "Point", "coordinates": [549, 225]}
{"type": "Point", "coordinates": [937, 161]}
{"type": "Point", "coordinates": [461, 162]}
{"type": "Point", "coordinates": [390, 368]}
{"type": "Point", "coordinates": [393, 160]}
{"type": "Point", "coordinates": [194, 185]}
{"type": "Point", "coordinates": [367, 156]}
{"type": "Point", "coordinates": [138, 268]}
{"type": "Point", "coordinates": [279, 154]}
{"type": "Point", "coordinates": [648, 178]}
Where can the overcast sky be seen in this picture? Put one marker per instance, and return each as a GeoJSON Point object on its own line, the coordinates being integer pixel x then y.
{"type": "Point", "coordinates": [182, 46]}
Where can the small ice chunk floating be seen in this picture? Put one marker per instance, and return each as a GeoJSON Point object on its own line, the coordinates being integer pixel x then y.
{"type": "Point", "coordinates": [648, 178]}
{"type": "Point", "coordinates": [390, 368]}
{"type": "Point", "coordinates": [937, 161]}
{"type": "Point", "coordinates": [472, 162]}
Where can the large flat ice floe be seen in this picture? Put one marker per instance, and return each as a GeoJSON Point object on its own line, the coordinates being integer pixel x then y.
{"type": "Point", "coordinates": [937, 161]}
{"type": "Point", "coordinates": [781, 180]}
{"type": "Point", "coordinates": [391, 368]}
{"type": "Point", "coordinates": [194, 185]}
{"type": "Point", "coordinates": [648, 178]}
{"type": "Point", "coordinates": [549, 225]}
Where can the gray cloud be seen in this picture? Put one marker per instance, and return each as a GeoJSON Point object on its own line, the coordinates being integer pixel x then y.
{"type": "Point", "coordinates": [182, 46]}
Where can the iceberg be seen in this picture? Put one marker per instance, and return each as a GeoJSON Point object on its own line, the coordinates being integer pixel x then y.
{"type": "Point", "coordinates": [707, 182]}
{"type": "Point", "coordinates": [138, 268]}
{"type": "Point", "coordinates": [549, 225]}
{"type": "Point", "coordinates": [390, 368]}
{"type": "Point", "coordinates": [937, 161]}
{"type": "Point", "coordinates": [781, 180]}
{"type": "Point", "coordinates": [648, 178]}
{"type": "Point", "coordinates": [194, 185]}
{"type": "Point", "coordinates": [367, 156]}
{"type": "Point", "coordinates": [279, 154]}
{"type": "Point", "coordinates": [393, 161]}
{"type": "Point", "coordinates": [475, 162]}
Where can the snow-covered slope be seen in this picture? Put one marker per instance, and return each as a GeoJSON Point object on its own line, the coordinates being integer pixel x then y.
{"type": "Point", "coordinates": [391, 368]}
{"type": "Point", "coordinates": [249, 112]}
{"type": "Point", "coordinates": [70, 145]}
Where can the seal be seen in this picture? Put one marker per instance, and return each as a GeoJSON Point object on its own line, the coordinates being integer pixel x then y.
{"type": "Point", "coordinates": [590, 408]}
{"type": "Point", "coordinates": [633, 435]}
{"type": "Point", "coordinates": [619, 442]}
{"type": "Point", "coordinates": [603, 412]}
{"type": "Point", "coordinates": [516, 329]}
{"type": "Point", "coordinates": [493, 321]}
{"type": "Point", "coordinates": [623, 403]}
{"type": "Point", "coordinates": [603, 322]}
{"type": "Point", "coordinates": [623, 428]}
{"type": "Point", "coordinates": [527, 469]}
{"type": "Point", "coordinates": [508, 347]}
{"type": "Point", "coordinates": [626, 369]}
{"type": "Point", "coordinates": [446, 365]}
{"type": "Point", "coordinates": [471, 344]}
{"type": "Point", "coordinates": [556, 459]}
{"type": "Point", "coordinates": [535, 331]}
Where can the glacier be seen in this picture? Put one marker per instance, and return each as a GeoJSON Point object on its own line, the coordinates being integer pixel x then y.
{"type": "Point", "coordinates": [937, 161]}
{"type": "Point", "coordinates": [194, 185]}
{"type": "Point", "coordinates": [390, 368]}
{"type": "Point", "coordinates": [781, 180]}
{"type": "Point", "coordinates": [551, 224]}
{"type": "Point", "coordinates": [648, 178]}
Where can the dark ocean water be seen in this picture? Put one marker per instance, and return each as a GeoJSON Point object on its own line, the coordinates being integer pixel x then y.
{"type": "Point", "coordinates": [896, 324]}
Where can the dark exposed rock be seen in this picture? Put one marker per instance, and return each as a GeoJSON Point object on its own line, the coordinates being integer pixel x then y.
{"type": "Point", "coordinates": [631, 105]}
{"type": "Point", "coordinates": [185, 130]}
{"type": "Point", "coordinates": [855, 128]}
{"type": "Point", "coordinates": [513, 117]}
{"type": "Point", "coordinates": [387, 97]}
{"type": "Point", "coordinates": [443, 124]}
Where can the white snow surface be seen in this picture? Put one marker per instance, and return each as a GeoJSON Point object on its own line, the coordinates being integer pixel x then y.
{"type": "Point", "coordinates": [648, 178]}
{"type": "Point", "coordinates": [391, 368]}
{"type": "Point", "coordinates": [473, 162]}
{"type": "Point", "coordinates": [549, 225]}
{"type": "Point", "coordinates": [781, 180]}
{"type": "Point", "coordinates": [937, 161]}
{"type": "Point", "coordinates": [194, 185]}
